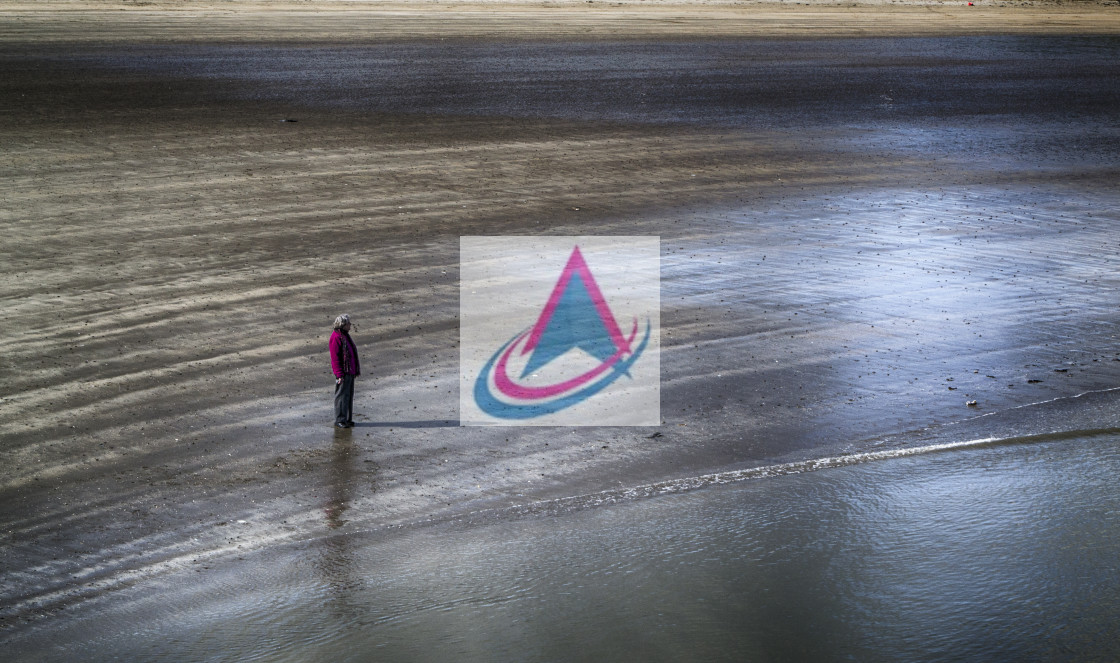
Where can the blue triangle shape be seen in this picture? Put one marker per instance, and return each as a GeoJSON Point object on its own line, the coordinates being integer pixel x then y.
{"type": "Point", "coordinates": [575, 323]}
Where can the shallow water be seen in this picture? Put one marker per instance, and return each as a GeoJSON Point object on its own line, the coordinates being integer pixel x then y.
{"type": "Point", "coordinates": [1003, 552]}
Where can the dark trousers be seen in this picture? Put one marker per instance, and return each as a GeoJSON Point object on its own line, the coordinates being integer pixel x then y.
{"type": "Point", "coordinates": [344, 400]}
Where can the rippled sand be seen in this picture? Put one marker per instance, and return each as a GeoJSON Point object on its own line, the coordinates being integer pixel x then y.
{"type": "Point", "coordinates": [858, 237]}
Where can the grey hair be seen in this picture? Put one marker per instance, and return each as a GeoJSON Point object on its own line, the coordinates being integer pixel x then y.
{"type": "Point", "coordinates": [341, 320]}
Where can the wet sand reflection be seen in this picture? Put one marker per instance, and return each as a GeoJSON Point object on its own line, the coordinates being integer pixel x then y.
{"type": "Point", "coordinates": [336, 560]}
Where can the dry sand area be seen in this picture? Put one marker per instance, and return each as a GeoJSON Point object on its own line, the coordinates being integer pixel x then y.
{"type": "Point", "coordinates": [164, 21]}
{"type": "Point", "coordinates": [869, 215]}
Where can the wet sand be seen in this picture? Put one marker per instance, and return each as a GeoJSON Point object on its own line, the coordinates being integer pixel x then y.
{"type": "Point", "coordinates": [858, 235]}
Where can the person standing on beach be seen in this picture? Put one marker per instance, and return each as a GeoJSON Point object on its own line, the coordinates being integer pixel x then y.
{"type": "Point", "coordinates": [344, 363]}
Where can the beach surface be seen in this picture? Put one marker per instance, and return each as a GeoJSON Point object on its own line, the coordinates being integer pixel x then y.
{"type": "Point", "coordinates": [869, 216]}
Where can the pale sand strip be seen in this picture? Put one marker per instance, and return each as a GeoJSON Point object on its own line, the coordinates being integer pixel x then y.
{"type": "Point", "coordinates": [371, 21]}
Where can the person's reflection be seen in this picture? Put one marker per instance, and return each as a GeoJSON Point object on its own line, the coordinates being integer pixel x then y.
{"type": "Point", "coordinates": [341, 478]}
{"type": "Point", "coordinates": [336, 559]}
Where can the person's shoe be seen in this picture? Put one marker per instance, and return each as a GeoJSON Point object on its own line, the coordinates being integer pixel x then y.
{"type": "Point", "coordinates": [350, 423]}
{"type": "Point", "coordinates": [342, 424]}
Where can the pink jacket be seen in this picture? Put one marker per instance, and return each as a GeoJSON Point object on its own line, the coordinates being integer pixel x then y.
{"type": "Point", "coordinates": [344, 355]}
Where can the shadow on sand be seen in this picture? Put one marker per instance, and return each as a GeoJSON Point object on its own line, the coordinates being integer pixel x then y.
{"type": "Point", "coordinates": [431, 423]}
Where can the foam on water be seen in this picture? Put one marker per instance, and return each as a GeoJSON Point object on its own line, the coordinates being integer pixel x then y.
{"type": "Point", "coordinates": [684, 484]}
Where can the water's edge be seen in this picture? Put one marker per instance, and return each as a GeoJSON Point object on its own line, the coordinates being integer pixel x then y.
{"type": "Point", "coordinates": [104, 581]}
